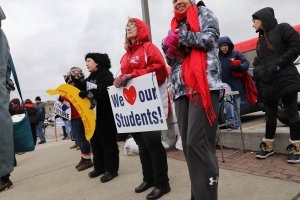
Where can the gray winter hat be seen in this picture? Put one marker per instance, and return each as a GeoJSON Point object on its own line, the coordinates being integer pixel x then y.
{"type": "Point", "coordinates": [2, 15]}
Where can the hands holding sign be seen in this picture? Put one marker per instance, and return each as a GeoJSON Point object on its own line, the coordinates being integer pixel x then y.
{"type": "Point", "coordinates": [122, 81]}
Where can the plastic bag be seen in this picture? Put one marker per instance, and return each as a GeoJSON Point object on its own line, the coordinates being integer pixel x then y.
{"type": "Point", "coordinates": [131, 148]}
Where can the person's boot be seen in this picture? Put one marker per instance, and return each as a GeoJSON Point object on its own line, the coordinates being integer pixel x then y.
{"type": "Point", "coordinates": [107, 176]}
{"type": "Point", "coordinates": [85, 164]}
{"type": "Point", "coordinates": [73, 146]}
{"type": "Point", "coordinates": [5, 183]}
{"type": "Point", "coordinates": [293, 151]}
{"type": "Point", "coordinates": [266, 149]}
{"type": "Point", "coordinates": [95, 173]}
{"type": "Point", "coordinates": [80, 162]}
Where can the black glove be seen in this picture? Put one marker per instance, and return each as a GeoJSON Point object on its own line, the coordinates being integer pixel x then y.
{"type": "Point", "coordinates": [80, 83]}
{"type": "Point", "coordinates": [83, 93]}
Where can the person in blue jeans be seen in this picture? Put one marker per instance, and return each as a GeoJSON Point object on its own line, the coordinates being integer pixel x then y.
{"type": "Point", "coordinates": [40, 106]}
{"type": "Point", "coordinates": [230, 110]}
{"type": "Point", "coordinates": [67, 134]}
{"type": "Point", "coordinates": [232, 63]}
{"type": "Point", "coordinates": [74, 77]}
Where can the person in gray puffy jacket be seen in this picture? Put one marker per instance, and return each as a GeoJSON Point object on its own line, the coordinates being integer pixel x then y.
{"type": "Point", "coordinates": [191, 50]}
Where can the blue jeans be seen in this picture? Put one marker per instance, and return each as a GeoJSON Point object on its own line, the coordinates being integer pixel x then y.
{"type": "Point", "coordinates": [79, 134]}
{"type": "Point", "coordinates": [40, 130]}
{"type": "Point", "coordinates": [231, 111]}
{"type": "Point", "coordinates": [68, 128]}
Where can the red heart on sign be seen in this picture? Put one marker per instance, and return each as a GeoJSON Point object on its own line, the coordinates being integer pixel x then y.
{"type": "Point", "coordinates": [130, 94]}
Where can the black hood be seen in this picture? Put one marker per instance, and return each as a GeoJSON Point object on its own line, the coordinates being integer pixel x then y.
{"type": "Point", "coordinates": [266, 15]}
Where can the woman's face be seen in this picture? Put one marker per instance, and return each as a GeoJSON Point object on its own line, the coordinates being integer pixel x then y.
{"type": "Point", "coordinates": [131, 31]}
{"type": "Point", "coordinates": [257, 24]}
{"type": "Point", "coordinates": [181, 6]}
{"type": "Point", "coordinates": [91, 65]}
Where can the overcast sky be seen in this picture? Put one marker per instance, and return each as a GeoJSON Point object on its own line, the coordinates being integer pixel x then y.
{"type": "Point", "coordinates": [47, 37]}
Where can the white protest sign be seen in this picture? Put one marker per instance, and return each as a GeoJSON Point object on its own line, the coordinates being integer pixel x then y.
{"type": "Point", "coordinates": [138, 106]}
{"type": "Point", "coordinates": [59, 122]}
{"type": "Point", "coordinates": [62, 109]}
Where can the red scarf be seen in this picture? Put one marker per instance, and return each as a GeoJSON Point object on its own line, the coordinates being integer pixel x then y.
{"type": "Point", "coordinates": [251, 92]}
{"type": "Point", "coordinates": [194, 65]}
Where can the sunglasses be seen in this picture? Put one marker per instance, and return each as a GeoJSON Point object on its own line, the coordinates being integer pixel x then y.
{"type": "Point", "coordinates": [130, 26]}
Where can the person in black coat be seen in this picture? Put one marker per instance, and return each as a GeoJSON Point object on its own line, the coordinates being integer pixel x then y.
{"type": "Point", "coordinates": [32, 114]}
{"type": "Point", "coordinates": [104, 141]}
{"type": "Point", "coordinates": [277, 48]}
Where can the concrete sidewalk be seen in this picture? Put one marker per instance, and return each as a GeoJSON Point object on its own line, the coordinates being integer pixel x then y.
{"type": "Point", "coordinates": [49, 173]}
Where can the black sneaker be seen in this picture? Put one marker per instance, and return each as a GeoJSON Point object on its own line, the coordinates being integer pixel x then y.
{"type": "Point", "coordinates": [5, 186]}
{"type": "Point", "coordinates": [42, 142]}
{"type": "Point", "coordinates": [294, 154]}
{"type": "Point", "coordinates": [264, 151]}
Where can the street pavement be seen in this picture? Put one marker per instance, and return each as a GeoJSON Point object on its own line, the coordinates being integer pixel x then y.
{"type": "Point", "coordinates": [49, 173]}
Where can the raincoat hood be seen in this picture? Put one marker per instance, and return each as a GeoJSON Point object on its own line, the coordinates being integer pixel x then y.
{"type": "Point", "coordinates": [2, 15]}
{"type": "Point", "coordinates": [267, 16]}
{"type": "Point", "coordinates": [143, 31]}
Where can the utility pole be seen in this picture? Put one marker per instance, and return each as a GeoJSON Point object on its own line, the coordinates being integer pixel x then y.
{"type": "Point", "coordinates": [145, 11]}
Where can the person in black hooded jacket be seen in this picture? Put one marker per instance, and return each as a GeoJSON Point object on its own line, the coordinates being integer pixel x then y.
{"type": "Point", "coordinates": [104, 141]}
{"type": "Point", "coordinates": [277, 48]}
